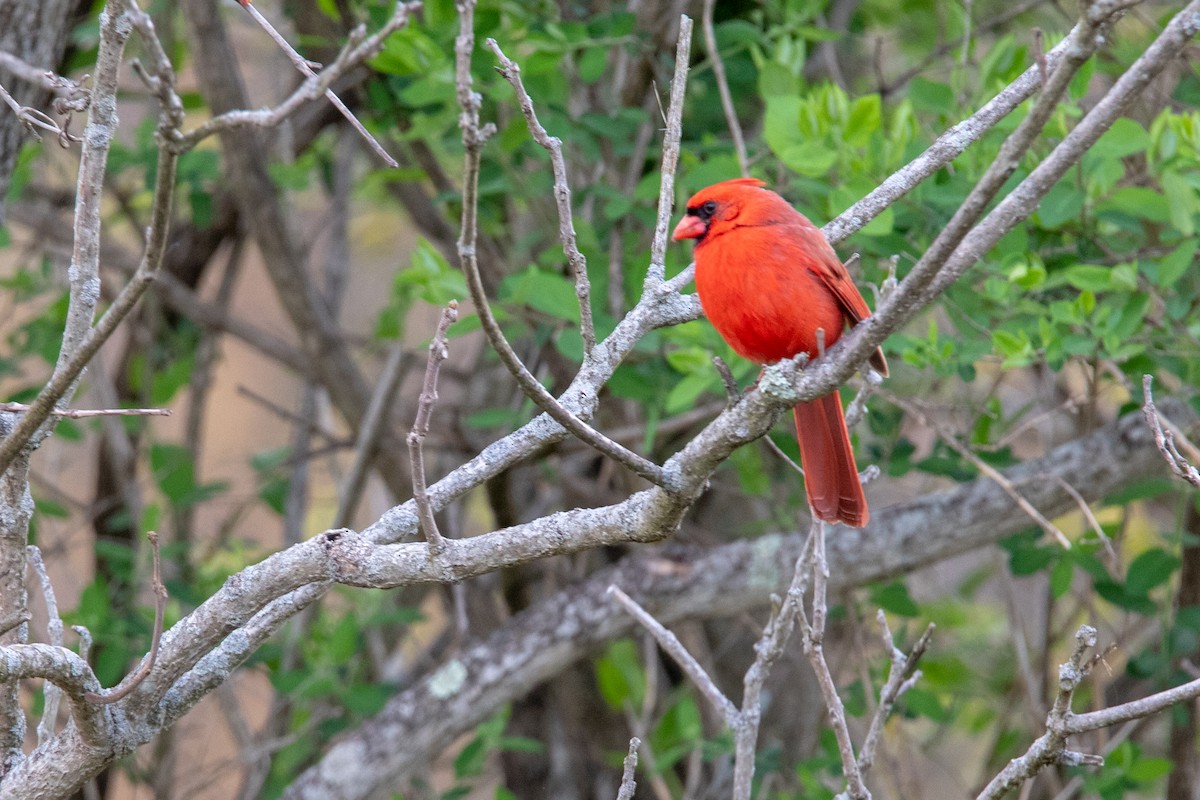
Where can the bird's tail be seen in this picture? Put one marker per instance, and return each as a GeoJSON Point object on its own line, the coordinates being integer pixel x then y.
{"type": "Point", "coordinates": [830, 474]}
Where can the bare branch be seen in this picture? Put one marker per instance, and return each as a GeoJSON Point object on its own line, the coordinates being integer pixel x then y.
{"type": "Point", "coordinates": [814, 647]}
{"type": "Point", "coordinates": [902, 674]}
{"type": "Point", "coordinates": [69, 89]}
{"type": "Point", "coordinates": [66, 670]}
{"type": "Point", "coordinates": [628, 784]}
{"type": "Point", "coordinates": [358, 49]}
{"type": "Point", "coordinates": [670, 158]}
{"type": "Point", "coordinates": [714, 56]}
{"type": "Point", "coordinates": [1061, 723]}
{"type": "Point", "coordinates": [474, 136]}
{"type": "Point", "coordinates": [52, 694]}
{"type": "Point", "coordinates": [985, 468]}
{"type": "Point", "coordinates": [1135, 709]}
{"type": "Point", "coordinates": [81, 341]}
{"type": "Point", "coordinates": [727, 580]}
{"type": "Point", "coordinates": [1165, 435]}
{"type": "Point", "coordinates": [87, 413]}
{"type": "Point", "coordinates": [675, 649]}
{"type": "Point", "coordinates": [33, 119]}
{"type": "Point", "coordinates": [132, 680]}
{"type": "Point", "coordinates": [511, 72]}
{"type": "Point", "coordinates": [438, 352]}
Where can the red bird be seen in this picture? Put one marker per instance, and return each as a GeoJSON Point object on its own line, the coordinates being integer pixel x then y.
{"type": "Point", "coordinates": [769, 280]}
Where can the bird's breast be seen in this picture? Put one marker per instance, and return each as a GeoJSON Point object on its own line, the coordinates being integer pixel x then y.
{"type": "Point", "coordinates": [761, 295]}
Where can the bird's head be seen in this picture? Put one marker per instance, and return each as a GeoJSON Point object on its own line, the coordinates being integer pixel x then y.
{"type": "Point", "coordinates": [726, 205]}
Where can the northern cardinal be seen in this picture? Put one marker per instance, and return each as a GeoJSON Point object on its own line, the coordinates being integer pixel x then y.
{"type": "Point", "coordinates": [768, 280]}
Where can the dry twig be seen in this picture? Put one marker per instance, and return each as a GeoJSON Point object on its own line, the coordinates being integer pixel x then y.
{"type": "Point", "coordinates": [474, 135]}
{"type": "Point", "coordinates": [87, 413]}
{"type": "Point", "coordinates": [438, 351]}
{"type": "Point", "coordinates": [359, 48]}
{"type": "Point", "coordinates": [1062, 723]}
{"type": "Point", "coordinates": [134, 679]}
{"type": "Point", "coordinates": [1166, 435]}
{"type": "Point", "coordinates": [628, 784]}
{"type": "Point", "coordinates": [670, 160]}
{"type": "Point", "coordinates": [511, 72]}
{"type": "Point", "coordinates": [947, 436]}
{"type": "Point", "coordinates": [714, 56]}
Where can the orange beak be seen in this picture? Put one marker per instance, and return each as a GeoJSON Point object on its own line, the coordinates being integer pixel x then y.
{"type": "Point", "coordinates": [690, 227]}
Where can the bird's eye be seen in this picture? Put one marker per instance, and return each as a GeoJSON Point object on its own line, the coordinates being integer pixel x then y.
{"type": "Point", "coordinates": [708, 209]}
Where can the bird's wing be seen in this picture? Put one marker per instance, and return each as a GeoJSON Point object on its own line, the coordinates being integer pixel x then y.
{"type": "Point", "coordinates": [834, 275]}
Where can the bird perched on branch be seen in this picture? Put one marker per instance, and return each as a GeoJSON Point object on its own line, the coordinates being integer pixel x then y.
{"type": "Point", "coordinates": [773, 287]}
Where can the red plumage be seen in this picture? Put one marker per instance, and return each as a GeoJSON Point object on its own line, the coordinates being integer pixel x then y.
{"type": "Point", "coordinates": [768, 280]}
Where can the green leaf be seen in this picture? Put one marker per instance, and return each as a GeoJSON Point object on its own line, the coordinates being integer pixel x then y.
{"type": "Point", "coordinates": [1152, 568]}
{"type": "Point", "coordinates": [1124, 138]}
{"type": "Point", "coordinates": [866, 116]}
{"type": "Point", "coordinates": [620, 677]}
{"type": "Point", "coordinates": [812, 157]}
{"type": "Point", "coordinates": [1182, 202]}
{"type": "Point", "coordinates": [592, 64]}
{"type": "Point", "coordinates": [1173, 266]}
{"type": "Point", "coordinates": [1028, 558]}
{"type": "Point", "coordinates": [1016, 348]}
{"type": "Point", "coordinates": [1061, 577]}
{"type": "Point", "coordinates": [927, 95]}
{"type": "Point", "coordinates": [781, 122]}
{"type": "Point", "coordinates": [1089, 277]}
{"type": "Point", "coordinates": [1140, 203]}
{"type": "Point", "coordinates": [893, 597]}
{"type": "Point", "coordinates": [1116, 594]}
{"type": "Point", "coordinates": [543, 291]}
{"type": "Point", "coordinates": [925, 703]}
{"type": "Point", "coordinates": [1145, 770]}
{"type": "Point", "coordinates": [1061, 205]}
{"type": "Point", "coordinates": [366, 699]}
{"type": "Point", "coordinates": [471, 759]}
{"type": "Point", "coordinates": [343, 640]}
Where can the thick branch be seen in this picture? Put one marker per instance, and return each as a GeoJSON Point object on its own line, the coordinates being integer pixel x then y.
{"type": "Point", "coordinates": [693, 583]}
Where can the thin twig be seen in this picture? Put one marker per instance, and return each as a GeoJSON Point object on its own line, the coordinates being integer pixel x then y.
{"type": "Point", "coordinates": [51, 692]}
{"type": "Point", "coordinates": [628, 784]}
{"type": "Point", "coordinates": [767, 651]}
{"type": "Point", "coordinates": [44, 78]}
{"type": "Point", "coordinates": [1166, 434]}
{"type": "Point", "coordinates": [474, 135]}
{"type": "Point", "coordinates": [132, 681]}
{"type": "Point", "coordinates": [718, 66]}
{"type": "Point", "coordinates": [82, 340]}
{"type": "Point", "coordinates": [986, 469]}
{"type": "Point", "coordinates": [732, 394]}
{"type": "Point", "coordinates": [1062, 723]}
{"type": "Point", "coordinates": [902, 675]}
{"type": "Point", "coordinates": [314, 428]}
{"type": "Point", "coordinates": [670, 157]}
{"type": "Point", "coordinates": [686, 661]}
{"type": "Point", "coordinates": [813, 640]}
{"type": "Point", "coordinates": [1093, 523]}
{"type": "Point", "coordinates": [438, 352]}
{"type": "Point", "coordinates": [86, 413]}
{"type": "Point", "coordinates": [511, 72]}
{"type": "Point", "coordinates": [33, 119]}
{"type": "Point", "coordinates": [356, 51]}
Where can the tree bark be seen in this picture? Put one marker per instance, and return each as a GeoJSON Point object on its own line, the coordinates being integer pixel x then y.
{"type": "Point", "coordinates": [34, 31]}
